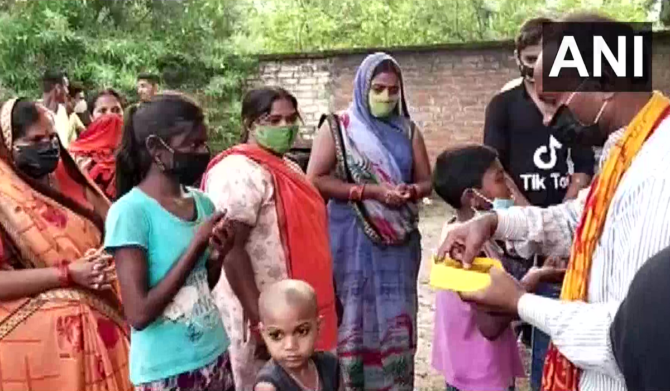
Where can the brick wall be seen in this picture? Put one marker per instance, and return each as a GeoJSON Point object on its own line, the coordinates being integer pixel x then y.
{"type": "Point", "coordinates": [448, 87]}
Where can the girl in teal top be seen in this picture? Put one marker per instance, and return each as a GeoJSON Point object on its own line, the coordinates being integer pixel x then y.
{"type": "Point", "coordinates": [169, 245]}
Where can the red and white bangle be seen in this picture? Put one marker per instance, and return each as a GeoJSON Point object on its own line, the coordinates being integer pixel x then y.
{"type": "Point", "coordinates": [356, 193]}
{"type": "Point", "coordinates": [64, 276]}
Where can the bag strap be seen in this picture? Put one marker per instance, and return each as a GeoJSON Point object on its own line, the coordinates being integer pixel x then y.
{"type": "Point", "coordinates": [336, 130]}
{"type": "Point", "coordinates": [341, 153]}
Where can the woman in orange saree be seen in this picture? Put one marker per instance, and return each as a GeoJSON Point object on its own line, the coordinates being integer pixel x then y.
{"type": "Point", "coordinates": [61, 325]}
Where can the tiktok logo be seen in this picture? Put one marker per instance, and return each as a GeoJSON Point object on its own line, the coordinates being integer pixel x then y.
{"type": "Point", "coordinates": [545, 158]}
{"type": "Point", "coordinates": [538, 159]}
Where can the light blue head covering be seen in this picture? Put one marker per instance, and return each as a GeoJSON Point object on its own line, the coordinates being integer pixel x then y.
{"type": "Point", "coordinates": [360, 107]}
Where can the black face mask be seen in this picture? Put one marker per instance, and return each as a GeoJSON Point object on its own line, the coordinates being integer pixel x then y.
{"type": "Point", "coordinates": [526, 71]}
{"type": "Point", "coordinates": [570, 132]}
{"type": "Point", "coordinates": [188, 167]}
{"type": "Point", "coordinates": [37, 160]}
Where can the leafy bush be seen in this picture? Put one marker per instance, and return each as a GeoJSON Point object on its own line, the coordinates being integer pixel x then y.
{"type": "Point", "coordinates": [311, 25]}
{"type": "Point", "coordinates": [207, 47]}
{"type": "Point", "coordinates": [106, 43]}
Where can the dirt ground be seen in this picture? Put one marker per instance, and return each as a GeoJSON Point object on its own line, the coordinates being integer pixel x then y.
{"type": "Point", "coordinates": [426, 378]}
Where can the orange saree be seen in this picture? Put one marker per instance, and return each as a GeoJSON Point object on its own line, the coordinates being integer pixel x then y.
{"type": "Point", "coordinates": [302, 224]}
{"type": "Point", "coordinates": [63, 339]}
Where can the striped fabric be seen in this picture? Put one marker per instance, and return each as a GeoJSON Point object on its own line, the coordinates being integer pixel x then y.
{"type": "Point", "coordinates": [547, 230]}
{"type": "Point", "coordinates": [636, 228]}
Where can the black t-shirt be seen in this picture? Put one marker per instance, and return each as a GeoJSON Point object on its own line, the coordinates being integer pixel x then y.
{"type": "Point", "coordinates": [535, 159]}
{"type": "Point", "coordinates": [327, 367]}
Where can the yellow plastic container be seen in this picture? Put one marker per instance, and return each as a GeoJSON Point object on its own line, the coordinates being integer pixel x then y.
{"type": "Point", "coordinates": [450, 275]}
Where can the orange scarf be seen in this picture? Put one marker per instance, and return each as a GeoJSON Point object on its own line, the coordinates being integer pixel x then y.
{"type": "Point", "coordinates": [303, 225]}
{"type": "Point", "coordinates": [560, 374]}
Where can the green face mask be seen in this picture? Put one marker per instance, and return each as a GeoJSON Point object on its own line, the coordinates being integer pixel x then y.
{"type": "Point", "coordinates": [277, 139]}
{"type": "Point", "coordinates": [381, 104]}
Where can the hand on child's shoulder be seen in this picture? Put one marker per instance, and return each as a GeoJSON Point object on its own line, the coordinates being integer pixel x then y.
{"type": "Point", "coordinates": [263, 386]}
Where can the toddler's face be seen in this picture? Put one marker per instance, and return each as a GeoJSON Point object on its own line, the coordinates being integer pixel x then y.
{"type": "Point", "coordinates": [290, 335]}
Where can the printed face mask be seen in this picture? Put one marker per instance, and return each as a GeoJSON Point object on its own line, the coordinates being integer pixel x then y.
{"type": "Point", "coordinates": [278, 139]}
{"type": "Point", "coordinates": [37, 160]}
{"type": "Point", "coordinates": [381, 104]}
{"type": "Point", "coordinates": [570, 131]}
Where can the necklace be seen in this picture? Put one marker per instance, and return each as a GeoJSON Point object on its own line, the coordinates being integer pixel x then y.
{"type": "Point", "coordinates": [316, 374]}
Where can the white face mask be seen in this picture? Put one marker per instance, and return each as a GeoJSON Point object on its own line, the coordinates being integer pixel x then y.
{"type": "Point", "coordinates": [80, 107]}
{"type": "Point", "coordinates": [496, 204]}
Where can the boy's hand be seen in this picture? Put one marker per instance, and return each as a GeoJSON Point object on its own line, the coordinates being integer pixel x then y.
{"type": "Point", "coordinates": [531, 279]}
{"type": "Point", "coordinates": [556, 262]}
{"type": "Point", "coordinates": [544, 274]}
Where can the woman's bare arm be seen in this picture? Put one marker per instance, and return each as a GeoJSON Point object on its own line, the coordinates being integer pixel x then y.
{"type": "Point", "coordinates": [220, 244]}
{"type": "Point", "coordinates": [142, 304]}
{"type": "Point", "coordinates": [17, 284]}
{"type": "Point", "coordinates": [240, 273]}
{"type": "Point", "coordinates": [421, 166]}
{"type": "Point", "coordinates": [91, 271]}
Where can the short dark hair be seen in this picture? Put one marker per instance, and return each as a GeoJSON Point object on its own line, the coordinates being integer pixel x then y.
{"type": "Point", "coordinates": [51, 79]}
{"type": "Point", "coordinates": [75, 88]}
{"type": "Point", "coordinates": [258, 102]}
{"type": "Point", "coordinates": [461, 168]}
{"type": "Point", "coordinates": [24, 114]}
{"type": "Point", "coordinates": [93, 99]}
{"type": "Point", "coordinates": [530, 32]}
{"type": "Point", "coordinates": [150, 77]}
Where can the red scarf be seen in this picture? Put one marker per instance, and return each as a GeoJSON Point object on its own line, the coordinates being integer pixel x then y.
{"type": "Point", "coordinates": [303, 227]}
{"type": "Point", "coordinates": [99, 142]}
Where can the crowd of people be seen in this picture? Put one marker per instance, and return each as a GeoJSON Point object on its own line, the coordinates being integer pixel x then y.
{"type": "Point", "coordinates": [133, 259]}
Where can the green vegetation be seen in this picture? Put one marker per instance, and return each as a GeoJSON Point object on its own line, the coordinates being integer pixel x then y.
{"type": "Point", "coordinates": [106, 43]}
{"type": "Point", "coordinates": [206, 47]}
{"type": "Point", "coordinates": [310, 25]}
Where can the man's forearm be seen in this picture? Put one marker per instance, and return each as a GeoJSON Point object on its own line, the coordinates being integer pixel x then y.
{"type": "Point", "coordinates": [548, 231]}
{"type": "Point", "coordinates": [579, 330]}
